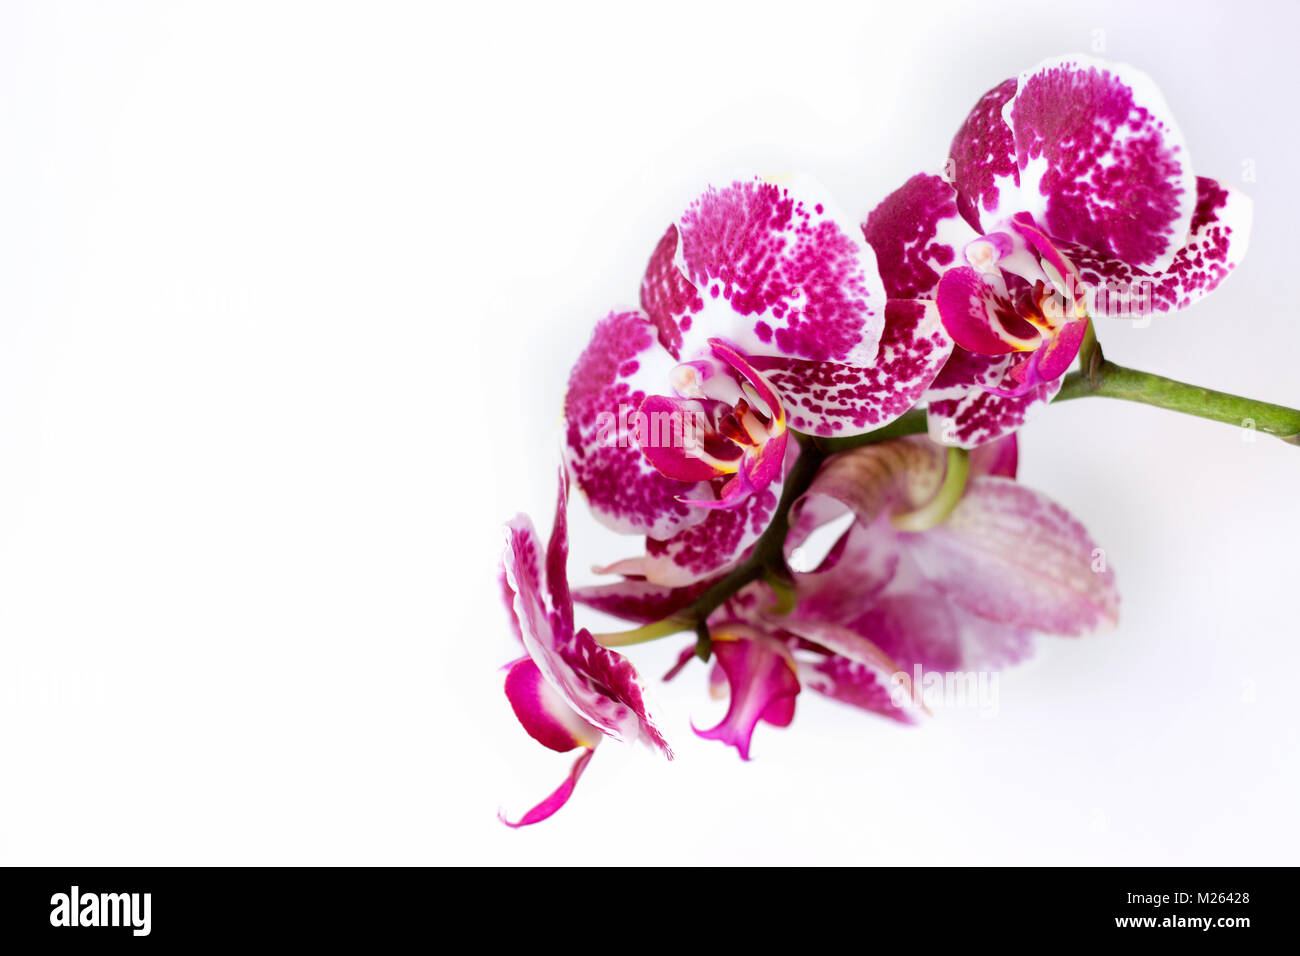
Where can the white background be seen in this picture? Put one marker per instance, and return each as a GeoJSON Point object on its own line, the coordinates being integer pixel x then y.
{"type": "Point", "coordinates": [288, 297]}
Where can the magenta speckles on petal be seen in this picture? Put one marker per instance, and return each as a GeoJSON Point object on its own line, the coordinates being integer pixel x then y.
{"type": "Point", "coordinates": [916, 233]}
{"type": "Point", "coordinates": [827, 399]}
{"type": "Point", "coordinates": [1220, 235]}
{"type": "Point", "coordinates": [1101, 162]}
{"type": "Point", "coordinates": [962, 410]}
{"type": "Point", "coordinates": [605, 393]}
{"type": "Point", "coordinates": [639, 601]}
{"type": "Point", "coordinates": [705, 548]}
{"type": "Point", "coordinates": [600, 685]}
{"type": "Point", "coordinates": [667, 296]}
{"type": "Point", "coordinates": [983, 154]}
{"type": "Point", "coordinates": [789, 279]}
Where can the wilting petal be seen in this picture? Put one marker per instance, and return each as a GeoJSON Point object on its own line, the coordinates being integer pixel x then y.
{"type": "Point", "coordinates": [852, 683]}
{"type": "Point", "coordinates": [916, 233]}
{"type": "Point", "coordinates": [1101, 162]}
{"type": "Point", "coordinates": [639, 600]}
{"type": "Point", "coordinates": [1011, 555]}
{"type": "Point", "coordinates": [766, 268]}
{"type": "Point", "coordinates": [848, 667]}
{"type": "Point", "coordinates": [828, 399]}
{"type": "Point", "coordinates": [1220, 234]}
{"type": "Point", "coordinates": [858, 568]}
{"type": "Point", "coordinates": [877, 479]}
{"type": "Point", "coordinates": [508, 596]}
{"type": "Point", "coordinates": [597, 683]}
{"type": "Point", "coordinates": [917, 625]}
{"type": "Point", "coordinates": [556, 800]}
{"type": "Point", "coordinates": [962, 410]}
{"type": "Point", "coordinates": [621, 366]}
{"type": "Point", "coordinates": [543, 712]}
{"type": "Point", "coordinates": [983, 154]}
{"type": "Point", "coordinates": [763, 681]}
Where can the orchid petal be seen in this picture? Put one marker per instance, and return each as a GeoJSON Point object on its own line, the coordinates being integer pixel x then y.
{"type": "Point", "coordinates": [965, 413]}
{"type": "Point", "coordinates": [972, 311]}
{"type": "Point", "coordinates": [1219, 238]}
{"type": "Point", "coordinates": [999, 458]}
{"type": "Point", "coordinates": [639, 600]}
{"type": "Point", "coordinates": [621, 366]}
{"type": "Point", "coordinates": [1101, 161]}
{"type": "Point", "coordinates": [984, 159]}
{"type": "Point", "coordinates": [680, 442]}
{"type": "Point", "coordinates": [768, 269]}
{"type": "Point", "coordinates": [827, 399]}
{"type": "Point", "coordinates": [543, 712]}
{"type": "Point", "coordinates": [557, 799]}
{"type": "Point", "coordinates": [916, 233]}
{"type": "Point", "coordinates": [764, 683]}
{"type": "Point", "coordinates": [1011, 555]}
{"type": "Point", "coordinates": [853, 683]}
{"type": "Point", "coordinates": [706, 548]}
{"type": "Point", "coordinates": [596, 682]}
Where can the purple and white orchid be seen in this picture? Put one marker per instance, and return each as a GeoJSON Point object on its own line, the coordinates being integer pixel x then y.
{"type": "Point", "coordinates": [1071, 196]}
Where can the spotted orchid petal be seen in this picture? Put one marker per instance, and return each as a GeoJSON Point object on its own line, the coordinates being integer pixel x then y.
{"type": "Point", "coordinates": [764, 682]}
{"type": "Point", "coordinates": [709, 547]}
{"type": "Point", "coordinates": [977, 398]}
{"type": "Point", "coordinates": [983, 154]}
{"type": "Point", "coordinates": [829, 400]}
{"type": "Point", "coordinates": [917, 234]}
{"type": "Point", "coordinates": [842, 664]}
{"type": "Point", "coordinates": [767, 268]}
{"type": "Point", "coordinates": [639, 600]}
{"type": "Point", "coordinates": [706, 548]}
{"type": "Point", "coordinates": [621, 366]}
{"type": "Point", "coordinates": [1100, 160]}
{"type": "Point", "coordinates": [1220, 234]}
{"type": "Point", "coordinates": [599, 684]}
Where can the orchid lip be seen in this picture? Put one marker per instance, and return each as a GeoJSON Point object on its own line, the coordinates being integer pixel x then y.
{"type": "Point", "coordinates": [744, 430]}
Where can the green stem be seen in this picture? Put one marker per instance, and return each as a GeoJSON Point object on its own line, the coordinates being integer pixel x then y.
{"type": "Point", "coordinates": [1109, 380]}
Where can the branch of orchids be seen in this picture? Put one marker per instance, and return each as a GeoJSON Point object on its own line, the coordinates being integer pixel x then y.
{"type": "Point", "coordinates": [1096, 376]}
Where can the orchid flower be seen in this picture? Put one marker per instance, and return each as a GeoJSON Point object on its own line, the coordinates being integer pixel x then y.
{"type": "Point", "coordinates": [1071, 195]}
{"type": "Point", "coordinates": [567, 691]}
{"type": "Point", "coordinates": [759, 314]}
{"type": "Point", "coordinates": [948, 567]}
